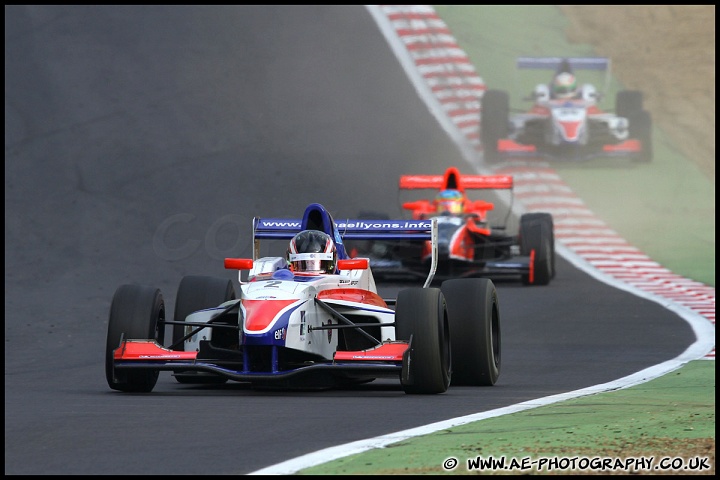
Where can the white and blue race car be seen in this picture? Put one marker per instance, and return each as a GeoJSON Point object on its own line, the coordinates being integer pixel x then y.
{"type": "Point", "coordinates": [326, 330]}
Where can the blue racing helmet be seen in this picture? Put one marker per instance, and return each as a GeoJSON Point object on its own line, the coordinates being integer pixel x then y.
{"type": "Point", "coordinates": [450, 201]}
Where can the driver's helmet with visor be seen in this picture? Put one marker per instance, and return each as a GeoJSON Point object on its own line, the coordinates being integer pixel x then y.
{"type": "Point", "coordinates": [312, 251]}
{"type": "Point", "coordinates": [564, 86]}
{"type": "Point", "coordinates": [449, 201]}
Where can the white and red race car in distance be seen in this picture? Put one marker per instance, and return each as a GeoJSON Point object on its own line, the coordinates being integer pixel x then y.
{"type": "Point", "coordinates": [574, 128]}
{"type": "Point", "coordinates": [308, 331]}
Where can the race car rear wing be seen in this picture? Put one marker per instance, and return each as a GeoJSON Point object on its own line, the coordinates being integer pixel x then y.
{"type": "Point", "coordinates": [453, 179]}
{"type": "Point", "coordinates": [282, 228]}
{"type": "Point", "coordinates": [409, 182]}
{"type": "Point", "coordinates": [601, 64]}
{"type": "Point", "coordinates": [553, 63]}
{"type": "Point", "coordinates": [400, 230]}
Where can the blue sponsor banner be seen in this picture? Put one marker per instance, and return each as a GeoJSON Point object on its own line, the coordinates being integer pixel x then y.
{"type": "Point", "coordinates": [349, 229]}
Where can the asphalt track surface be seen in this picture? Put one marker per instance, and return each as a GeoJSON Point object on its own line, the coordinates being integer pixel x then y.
{"type": "Point", "coordinates": [139, 144]}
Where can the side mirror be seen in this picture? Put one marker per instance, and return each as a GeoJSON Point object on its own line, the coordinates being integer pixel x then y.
{"type": "Point", "coordinates": [421, 205]}
{"type": "Point", "coordinates": [238, 263]}
{"type": "Point", "coordinates": [353, 264]}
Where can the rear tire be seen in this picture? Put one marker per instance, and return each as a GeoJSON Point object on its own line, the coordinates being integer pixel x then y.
{"type": "Point", "coordinates": [136, 313]}
{"type": "Point", "coordinates": [494, 122]}
{"type": "Point", "coordinates": [421, 317]}
{"type": "Point", "coordinates": [537, 234]}
{"type": "Point", "coordinates": [474, 315]}
{"type": "Point", "coordinates": [197, 292]}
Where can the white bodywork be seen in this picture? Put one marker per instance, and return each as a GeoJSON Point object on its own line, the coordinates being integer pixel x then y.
{"type": "Point", "coordinates": [269, 281]}
{"type": "Point", "coordinates": [568, 118]}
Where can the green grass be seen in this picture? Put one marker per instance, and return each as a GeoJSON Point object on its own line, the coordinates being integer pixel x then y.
{"type": "Point", "coordinates": [667, 416]}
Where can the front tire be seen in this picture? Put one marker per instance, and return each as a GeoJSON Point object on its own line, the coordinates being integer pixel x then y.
{"type": "Point", "coordinates": [137, 313]}
{"type": "Point", "coordinates": [421, 318]}
{"type": "Point", "coordinates": [474, 314]}
{"type": "Point", "coordinates": [197, 292]}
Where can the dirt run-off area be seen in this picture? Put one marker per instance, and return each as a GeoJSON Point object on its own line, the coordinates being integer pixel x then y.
{"type": "Point", "coordinates": [668, 52]}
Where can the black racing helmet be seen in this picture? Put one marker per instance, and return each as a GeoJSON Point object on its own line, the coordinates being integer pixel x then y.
{"type": "Point", "coordinates": [312, 251]}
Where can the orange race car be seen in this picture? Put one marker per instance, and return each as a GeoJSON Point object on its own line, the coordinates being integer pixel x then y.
{"type": "Point", "coordinates": [468, 246]}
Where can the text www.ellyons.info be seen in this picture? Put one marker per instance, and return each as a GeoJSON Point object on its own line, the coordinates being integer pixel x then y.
{"type": "Point", "coordinates": [580, 464]}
